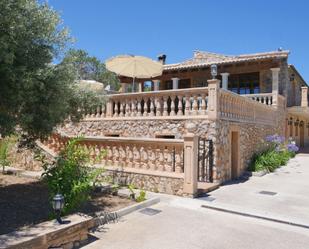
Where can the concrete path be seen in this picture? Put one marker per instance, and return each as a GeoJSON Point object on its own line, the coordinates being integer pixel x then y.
{"type": "Point", "coordinates": [183, 223]}
{"type": "Point", "coordinates": [177, 227]}
{"type": "Point", "coordinates": [288, 198]}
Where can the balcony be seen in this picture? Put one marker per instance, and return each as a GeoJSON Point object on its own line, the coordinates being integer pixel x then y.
{"type": "Point", "coordinates": [209, 102]}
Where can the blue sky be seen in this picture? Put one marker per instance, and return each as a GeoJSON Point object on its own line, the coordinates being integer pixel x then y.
{"type": "Point", "coordinates": [178, 27]}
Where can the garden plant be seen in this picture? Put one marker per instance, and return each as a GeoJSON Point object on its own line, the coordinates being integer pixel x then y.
{"type": "Point", "coordinates": [277, 152]}
{"type": "Point", "coordinates": [71, 176]}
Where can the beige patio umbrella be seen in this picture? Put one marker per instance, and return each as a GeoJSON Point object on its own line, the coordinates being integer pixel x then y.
{"type": "Point", "coordinates": [134, 66]}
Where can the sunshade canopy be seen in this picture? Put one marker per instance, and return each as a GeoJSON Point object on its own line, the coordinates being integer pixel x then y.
{"type": "Point", "coordinates": [134, 66]}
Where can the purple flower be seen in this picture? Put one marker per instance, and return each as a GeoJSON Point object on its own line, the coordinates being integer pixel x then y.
{"type": "Point", "coordinates": [292, 147]}
{"type": "Point", "coordinates": [275, 139]}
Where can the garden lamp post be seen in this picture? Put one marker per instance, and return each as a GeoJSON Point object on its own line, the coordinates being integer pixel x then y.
{"type": "Point", "coordinates": [58, 204]}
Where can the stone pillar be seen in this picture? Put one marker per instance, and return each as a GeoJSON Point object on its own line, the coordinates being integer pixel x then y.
{"type": "Point", "coordinates": [175, 83]}
{"type": "Point", "coordinates": [156, 85]}
{"type": "Point", "coordinates": [275, 84]}
{"type": "Point", "coordinates": [225, 80]}
{"type": "Point", "coordinates": [275, 80]}
{"type": "Point", "coordinates": [124, 87]}
{"type": "Point", "coordinates": [304, 96]}
{"type": "Point", "coordinates": [140, 86]}
{"type": "Point", "coordinates": [190, 164]}
{"type": "Point", "coordinates": [213, 100]}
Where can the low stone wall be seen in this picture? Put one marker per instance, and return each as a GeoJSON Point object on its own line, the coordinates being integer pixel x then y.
{"type": "Point", "coordinates": [50, 234]}
{"type": "Point", "coordinates": [28, 158]}
{"type": "Point", "coordinates": [153, 183]}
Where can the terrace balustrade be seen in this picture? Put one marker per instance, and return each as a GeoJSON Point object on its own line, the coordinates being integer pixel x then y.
{"type": "Point", "coordinates": [163, 155]}
{"type": "Point", "coordinates": [202, 102]}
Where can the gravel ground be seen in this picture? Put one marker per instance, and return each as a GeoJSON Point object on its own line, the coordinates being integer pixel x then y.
{"type": "Point", "coordinates": [24, 202]}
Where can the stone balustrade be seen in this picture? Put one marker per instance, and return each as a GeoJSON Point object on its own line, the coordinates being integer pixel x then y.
{"type": "Point", "coordinates": [203, 102]}
{"type": "Point", "coordinates": [241, 108]}
{"type": "Point", "coordinates": [169, 103]}
{"type": "Point", "coordinates": [264, 98]}
{"type": "Point", "coordinates": [164, 155]}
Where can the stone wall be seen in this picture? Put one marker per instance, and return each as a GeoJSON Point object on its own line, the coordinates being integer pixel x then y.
{"type": "Point", "coordinates": [28, 158]}
{"type": "Point", "coordinates": [142, 128]}
{"type": "Point", "coordinates": [157, 184]}
{"type": "Point", "coordinates": [251, 136]}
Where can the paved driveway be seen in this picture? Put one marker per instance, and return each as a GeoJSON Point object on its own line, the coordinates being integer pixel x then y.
{"type": "Point", "coordinates": [178, 227]}
{"type": "Point", "coordinates": [286, 197]}
{"type": "Point", "coordinates": [183, 223]}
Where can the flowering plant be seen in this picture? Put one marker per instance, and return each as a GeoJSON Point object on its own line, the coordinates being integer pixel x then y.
{"type": "Point", "coordinates": [276, 152]}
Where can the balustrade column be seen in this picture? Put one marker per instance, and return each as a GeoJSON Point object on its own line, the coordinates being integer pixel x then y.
{"type": "Point", "coordinates": [173, 113]}
{"type": "Point", "coordinates": [187, 106]}
{"type": "Point", "coordinates": [158, 106]}
{"type": "Point", "coordinates": [116, 110]}
{"type": "Point", "coordinates": [133, 108]}
{"type": "Point", "coordinates": [109, 108]}
{"type": "Point", "coordinates": [152, 158]}
{"type": "Point", "coordinates": [160, 159]}
{"type": "Point", "coordinates": [151, 114]}
{"type": "Point", "coordinates": [180, 106]}
{"type": "Point", "coordinates": [136, 157]}
{"type": "Point", "coordinates": [194, 105]}
{"type": "Point", "coordinates": [203, 104]}
{"type": "Point", "coordinates": [98, 111]}
{"type": "Point", "coordinates": [121, 114]}
{"type": "Point", "coordinates": [128, 109]}
{"type": "Point", "coordinates": [165, 107]}
{"type": "Point", "coordinates": [139, 107]}
{"type": "Point", "coordinates": [145, 107]}
{"type": "Point", "coordinates": [129, 156]}
{"type": "Point", "coordinates": [103, 111]}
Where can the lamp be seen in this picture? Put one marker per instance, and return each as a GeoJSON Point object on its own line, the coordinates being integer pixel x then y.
{"type": "Point", "coordinates": [58, 204]}
{"type": "Point", "coordinates": [213, 71]}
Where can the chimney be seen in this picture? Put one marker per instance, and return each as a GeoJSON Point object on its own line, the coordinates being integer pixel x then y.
{"type": "Point", "coordinates": [162, 58]}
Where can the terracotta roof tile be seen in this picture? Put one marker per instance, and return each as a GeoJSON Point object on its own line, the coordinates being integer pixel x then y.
{"type": "Point", "coordinates": [202, 59]}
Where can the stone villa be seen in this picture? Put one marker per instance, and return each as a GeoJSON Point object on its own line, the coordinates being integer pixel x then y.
{"type": "Point", "coordinates": [192, 132]}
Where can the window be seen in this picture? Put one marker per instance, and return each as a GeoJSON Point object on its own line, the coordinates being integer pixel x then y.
{"type": "Point", "coordinates": [184, 83]}
{"type": "Point", "coordinates": [244, 83]}
{"type": "Point", "coordinates": [168, 84]}
{"type": "Point", "coordinates": [166, 136]}
{"type": "Point", "coordinates": [111, 135]}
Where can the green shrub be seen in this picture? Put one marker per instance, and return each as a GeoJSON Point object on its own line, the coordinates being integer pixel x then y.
{"type": "Point", "coordinates": [70, 176]}
{"type": "Point", "coordinates": [269, 160]}
{"type": "Point", "coordinates": [276, 153]}
{"type": "Point", "coordinates": [5, 145]}
{"type": "Point", "coordinates": [131, 188]}
{"type": "Point", "coordinates": [142, 196]}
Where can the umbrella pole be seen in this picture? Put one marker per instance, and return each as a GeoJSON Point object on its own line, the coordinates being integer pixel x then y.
{"type": "Point", "coordinates": [133, 87]}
